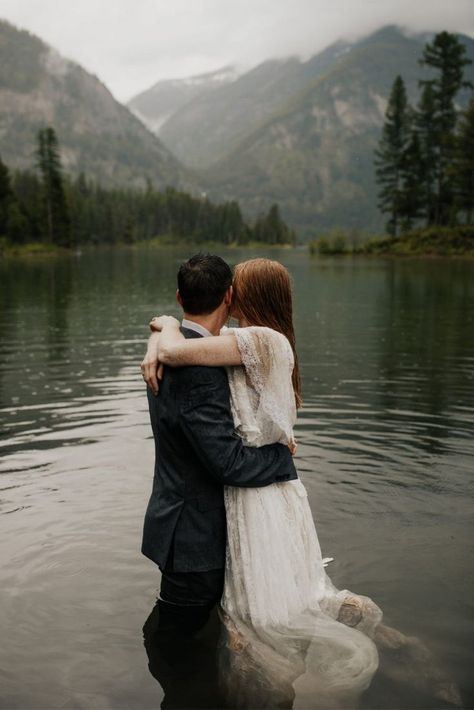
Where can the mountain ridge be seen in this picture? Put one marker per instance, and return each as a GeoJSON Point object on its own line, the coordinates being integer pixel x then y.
{"type": "Point", "coordinates": [298, 133]}
{"type": "Point", "coordinates": [156, 105]}
{"type": "Point", "coordinates": [350, 115]}
{"type": "Point", "coordinates": [98, 135]}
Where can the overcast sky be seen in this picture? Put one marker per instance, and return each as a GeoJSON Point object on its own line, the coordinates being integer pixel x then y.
{"type": "Point", "coordinates": [131, 44]}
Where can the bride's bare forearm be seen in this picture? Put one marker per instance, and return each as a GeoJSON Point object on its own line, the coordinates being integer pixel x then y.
{"type": "Point", "coordinates": [171, 346]}
{"type": "Point", "coordinates": [176, 350]}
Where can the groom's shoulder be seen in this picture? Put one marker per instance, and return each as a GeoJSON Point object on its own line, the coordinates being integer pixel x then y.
{"type": "Point", "coordinates": [197, 375]}
{"type": "Point", "coordinates": [194, 386]}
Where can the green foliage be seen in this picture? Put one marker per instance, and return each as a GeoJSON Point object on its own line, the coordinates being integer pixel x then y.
{"type": "Point", "coordinates": [60, 211]}
{"type": "Point", "coordinates": [271, 229]}
{"type": "Point", "coordinates": [424, 126]}
{"type": "Point", "coordinates": [390, 155]}
{"type": "Point", "coordinates": [14, 226]}
{"type": "Point", "coordinates": [463, 167]}
{"type": "Point", "coordinates": [446, 55]}
{"type": "Point", "coordinates": [421, 167]}
{"type": "Point", "coordinates": [412, 197]}
{"type": "Point", "coordinates": [6, 196]}
{"type": "Point", "coordinates": [337, 241]}
{"type": "Point", "coordinates": [434, 240]}
{"type": "Point", "coordinates": [17, 224]}
{"type": "Point", "coordinates": [55, 218]}
{"type": "Point", "coordinates": [28, 193]}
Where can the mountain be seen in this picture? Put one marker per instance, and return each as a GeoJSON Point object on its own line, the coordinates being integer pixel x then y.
{"type": "Point", "coordinates": [156, 105]}
{"type": "Point", "coordinates": [314, 154]}
{"type": "Point", "coordinates": [98, 135]}
{"type": "Point", "coordinates": [301, 133]}
{"type": "Point", "coordinates": [213, 123]}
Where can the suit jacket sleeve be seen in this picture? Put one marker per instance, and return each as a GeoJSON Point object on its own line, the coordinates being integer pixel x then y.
{"type": "Point", "coordinates": [207, 423]}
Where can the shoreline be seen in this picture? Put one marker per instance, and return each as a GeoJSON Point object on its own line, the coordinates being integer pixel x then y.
{"type": "Point", "coordinates": [434, 241]}
{"type": "Point", "coordinates": [36, 250]}
{"type": "Point", "coordinates": [413, 245]}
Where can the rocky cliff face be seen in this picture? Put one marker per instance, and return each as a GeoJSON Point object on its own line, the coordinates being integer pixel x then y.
{"type": "Point", "coordinates": [98, 135]}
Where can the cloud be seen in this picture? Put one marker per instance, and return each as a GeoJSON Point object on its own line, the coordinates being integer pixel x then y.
{"type": "Point", "coordinates": [130, 44]}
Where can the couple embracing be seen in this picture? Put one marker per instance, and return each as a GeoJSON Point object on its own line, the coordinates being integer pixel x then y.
{"type": "Point", "coordinates": [228, 521]}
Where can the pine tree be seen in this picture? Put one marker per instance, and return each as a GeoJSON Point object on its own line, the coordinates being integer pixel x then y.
{"type": "Point", "coordinates": [56, 215]}
{"type": "Point", "coordinates": [260, 231]}
{"type": "Point", "coordinates": [6, 196]}
{"type": "Point", "coordinates": [425, 127]}
{"type": "Point", "coordinates": [412, 192]}
{"type": "Point", "coordinates": [232, 222]}
{"type": "Point", "coordinates": [390, 154]}
{"type": "Point", "coordinates": [446, 55]}
{"type": "Point", "coordinates": [463, 168]}
{"type": "Point", "coordinates": [62, 210]}
{"type": "Point", "coordinates": [28, 191]}
{"type": "Point", "coordinates": [18, 231]}
{"type": "Point", "coordinates": [275, 226]}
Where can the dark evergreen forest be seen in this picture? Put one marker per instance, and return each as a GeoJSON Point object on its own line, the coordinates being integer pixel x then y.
{"type": "Point", "coordinates": [425, 159]}
{"type": "Point", "coordinates": [45, 206]}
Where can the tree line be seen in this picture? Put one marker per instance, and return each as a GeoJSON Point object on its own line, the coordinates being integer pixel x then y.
{"type": "Point", "coordinates": [425, 158]}
{"type": "Point", "coordinates": [44, 205]}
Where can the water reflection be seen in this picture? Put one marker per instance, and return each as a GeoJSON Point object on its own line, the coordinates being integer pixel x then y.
{"type": "Point", "coordinates": [426, 327]}
{"type": "Point", "coordinates": [185, 663]}
{"type": "Point", "coordinates": [385, 451]}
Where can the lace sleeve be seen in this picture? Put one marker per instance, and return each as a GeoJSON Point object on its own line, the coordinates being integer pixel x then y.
{"type": "Point", "coordinates": [268, 361]}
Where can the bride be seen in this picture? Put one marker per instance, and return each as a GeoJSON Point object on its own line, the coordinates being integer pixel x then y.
{"type": "Point", "coordinates": [285, 620]}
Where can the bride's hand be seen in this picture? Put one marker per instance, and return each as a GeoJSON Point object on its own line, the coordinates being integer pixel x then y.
{"type": "Point", "coordinates": [151, 367]}
{"type": "Point", "coordinates": [158, 322]}
{"type": "Point", "coordinates": [293, 446]}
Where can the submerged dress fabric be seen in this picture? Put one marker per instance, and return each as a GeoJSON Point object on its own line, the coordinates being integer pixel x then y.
{"type": "Point", "coordinates": [279, 605]}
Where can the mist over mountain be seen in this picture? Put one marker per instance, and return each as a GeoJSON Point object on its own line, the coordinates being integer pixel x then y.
{"type": "Point", "coordinates": [98, 135]}
{"type": "Point", "coordinates": [212, 124]}
{"type": "Point", "coordinates": [299, 133]}
{"type": "Point", "coordinates": [302, 133]}
{"type": "Point", "coordinates": [156, 105]}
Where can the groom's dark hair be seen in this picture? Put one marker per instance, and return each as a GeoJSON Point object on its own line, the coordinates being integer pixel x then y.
{"type": "Point", "coordinates": [202, 283]}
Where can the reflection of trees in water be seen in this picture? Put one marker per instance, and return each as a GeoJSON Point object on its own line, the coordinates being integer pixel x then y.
{"type": "Point", "coordinates": [35, 299]}
{"type": "Point", "coordinates": [58, 296]}
{"type": "Point", "coordinates": [425, 317]}
{"type": "Point", "coordinates": [69, 323]}
{"type": "Point", "coordinates": [387, 321]}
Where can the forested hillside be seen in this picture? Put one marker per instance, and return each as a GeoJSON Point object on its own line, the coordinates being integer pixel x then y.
{"type": "Point", "coordinates": [98, 135]}
{"type": "Point", "coordinates": [300, 134]}
{"type": "Point", "coordinates": [303, 134]}
{"type": "Point", "coordinates": [315, 156]}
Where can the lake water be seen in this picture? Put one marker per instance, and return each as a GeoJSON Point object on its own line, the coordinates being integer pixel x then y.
{"type": "Point", "coordinates": [385, 450]}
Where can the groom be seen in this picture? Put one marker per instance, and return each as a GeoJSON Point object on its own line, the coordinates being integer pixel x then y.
{"type": "Point", "coordinates": [197, 453]}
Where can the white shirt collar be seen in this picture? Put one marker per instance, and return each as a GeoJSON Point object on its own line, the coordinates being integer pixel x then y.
{"type": "Point", "coordinates": [191, 325]}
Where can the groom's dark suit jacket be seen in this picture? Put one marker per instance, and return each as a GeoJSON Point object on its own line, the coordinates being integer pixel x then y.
{"type": "Point", "coordinates": [197, 453]}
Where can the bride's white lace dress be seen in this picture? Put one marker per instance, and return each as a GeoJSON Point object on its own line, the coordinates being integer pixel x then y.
{"type": "Point", "coordinates": [280, 607]}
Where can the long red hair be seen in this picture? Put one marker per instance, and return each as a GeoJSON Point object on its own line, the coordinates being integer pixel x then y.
{"type": "Point", "coordinates": [262, 296]}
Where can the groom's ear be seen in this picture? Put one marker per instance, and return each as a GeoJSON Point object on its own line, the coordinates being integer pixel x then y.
{"type": "Point", "coordinates": [178, 297]}
{"type": "Point", "coordinates": [228, 296]}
